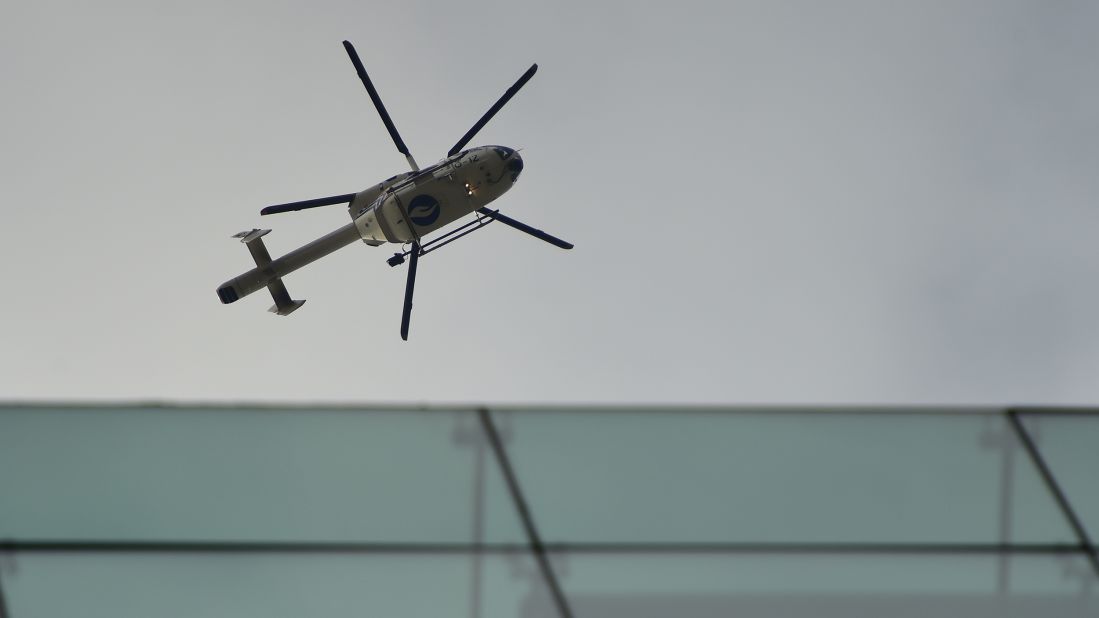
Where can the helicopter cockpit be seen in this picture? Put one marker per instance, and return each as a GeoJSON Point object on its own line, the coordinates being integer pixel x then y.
{"type": "Point", "coordinates": [515, 162]}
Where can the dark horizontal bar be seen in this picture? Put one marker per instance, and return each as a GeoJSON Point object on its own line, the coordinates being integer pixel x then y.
{"type": "Point", "coordinates": [820, 548]}
{"type": "Point", "coordinates": [648, 408]}
{"type": "Point", "coordinates": [248, 547]}
{"type": "Point", "coordinates": [1055, 411]}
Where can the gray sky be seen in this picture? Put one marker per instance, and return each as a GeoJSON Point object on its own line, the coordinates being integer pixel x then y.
{"type": "Point", "coordinates": [798, 202]}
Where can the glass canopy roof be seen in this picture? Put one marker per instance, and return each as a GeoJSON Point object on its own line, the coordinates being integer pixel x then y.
{"type": "Point", "coordinates": [326, 511]}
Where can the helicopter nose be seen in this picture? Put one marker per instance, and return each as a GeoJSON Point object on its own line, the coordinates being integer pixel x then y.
{"type": "Point", "coordinates": [515, 165]}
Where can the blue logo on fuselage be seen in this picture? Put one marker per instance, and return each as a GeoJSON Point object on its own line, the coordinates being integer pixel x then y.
{"type": "Point", "coordinates": [424, 210]}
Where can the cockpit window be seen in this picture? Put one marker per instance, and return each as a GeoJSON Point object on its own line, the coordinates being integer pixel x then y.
{"type": "Point", "coordinates": [504, 153]}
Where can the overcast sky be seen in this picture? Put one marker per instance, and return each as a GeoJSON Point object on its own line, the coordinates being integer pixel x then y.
{"type": "Point", "coordinates": [785, 202]}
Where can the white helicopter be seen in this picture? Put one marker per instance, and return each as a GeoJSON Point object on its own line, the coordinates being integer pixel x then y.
{"type": "Point", "coordinates": [402, 209]}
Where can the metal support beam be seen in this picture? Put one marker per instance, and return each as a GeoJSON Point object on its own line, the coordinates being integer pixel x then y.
{"type": "Point", "coordinates": [506, 549]}
{"type": "Point", "coordinates": [1054, 488]}
{"type": "Point", "coordinates": [536, 546]}
{"type": "Point", "coordinates": [3, 604]}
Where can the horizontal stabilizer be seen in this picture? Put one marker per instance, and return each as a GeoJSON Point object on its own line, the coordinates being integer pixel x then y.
{"type": "Point", "coordinates": [254, 240]}
{"type": "Point", "coordinates": [287, 310]}
{"type": "Point", "coordinates": [284, 305]}
{"type": "Point", "coordinates": [248, 236]}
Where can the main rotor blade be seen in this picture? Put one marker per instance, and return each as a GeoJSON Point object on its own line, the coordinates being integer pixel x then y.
{"type": "Point", "coordinates": [523, 227]}
{"type": "Point", "coordinates": [408, 286]}
{"type": "Point", "coordinates": [378, 105]}
{"type": "Point", "coordinates": [492, 111]}
{"type": "Point", "coordinates": [320, 201]}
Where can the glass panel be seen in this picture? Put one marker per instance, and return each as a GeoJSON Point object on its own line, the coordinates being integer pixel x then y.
{"type": "Point", "coordinates": [272, 585]}
{"type": "Point", "coordinates": [824, 586]}
{"type": "Point", "coordinates": [250, 474]}
{"type": "Point", "coordinates": [1069, 443]}
{"type": "Point", "coordinates": [781, 477]}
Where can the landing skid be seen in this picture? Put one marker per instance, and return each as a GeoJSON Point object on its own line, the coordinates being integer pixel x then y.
{"type": "Point", "coordinates": [436, 243]}
{"type": "Point", "coordinates": [488, 216]}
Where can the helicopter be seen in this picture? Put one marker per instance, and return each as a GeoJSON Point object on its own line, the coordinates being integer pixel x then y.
{"type": "Point", "coordinates": [402, 209]}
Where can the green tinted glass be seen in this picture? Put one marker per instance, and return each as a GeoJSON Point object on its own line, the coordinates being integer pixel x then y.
{"type": "Point", "coordinates": [1069, 443]}
{"type": "Point", "coordinates": [828, 586]}
{"type": "Point", "coordinates": [779, 477]}
{"type": "Point", "coordinates": [250, 475]}
{"type": "Point", "coordinates": [270, 585]}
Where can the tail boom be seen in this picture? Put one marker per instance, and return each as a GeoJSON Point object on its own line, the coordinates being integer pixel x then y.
{"type": "Point", "coordinates": [268, 273]}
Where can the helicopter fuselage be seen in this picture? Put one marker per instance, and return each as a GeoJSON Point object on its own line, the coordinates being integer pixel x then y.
{"type": "Point", "coordinates": [402, 209]}
{"type": "Point", "coordinates": [410, 205]}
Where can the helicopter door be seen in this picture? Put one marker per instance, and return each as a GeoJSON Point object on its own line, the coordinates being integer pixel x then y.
{"type": "Point", "coordinates": [392, 221]}
{"type": "Point", "coordinates": [369, 226]}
